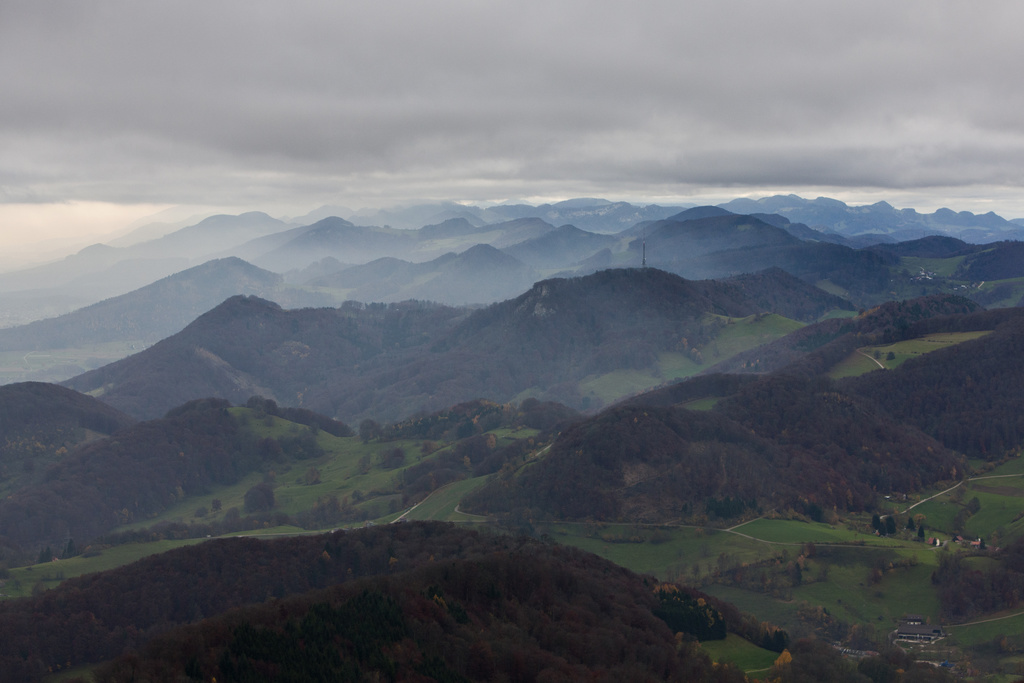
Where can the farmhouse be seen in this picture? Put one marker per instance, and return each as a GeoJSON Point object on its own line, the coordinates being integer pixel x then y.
{"type": "Point", "coordinates": [913, 629]}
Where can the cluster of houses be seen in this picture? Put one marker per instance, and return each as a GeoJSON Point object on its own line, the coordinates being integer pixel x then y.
{"type": "Point", "coordinates": [976, 544]}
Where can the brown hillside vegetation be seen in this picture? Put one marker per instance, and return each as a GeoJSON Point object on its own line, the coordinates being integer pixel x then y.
{"type": "Point", "coordinates": [40, 423]}
{"type": "Point", "coordinates": [967, 396]}
{"type": "Point", "coordinates": [448, 604]}
{"type": "Point", "coordinates": [533, 613]}
{"type": "Point", "coordinates": [779, 441]}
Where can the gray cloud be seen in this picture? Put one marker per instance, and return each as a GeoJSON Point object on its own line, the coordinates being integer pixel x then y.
{"type": "Point", "coordinates": [257, 102]}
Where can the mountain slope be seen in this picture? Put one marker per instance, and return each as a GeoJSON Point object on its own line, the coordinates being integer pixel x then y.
{"type": "Point", "coordinates": [388, 362]}
{"type": "Point", "coordinates": [249, 346]}
{"type": "Point", "coordinates": [40, 422]}
{"type": "Point", "coordinates": [410, 601]}
{"type": "Point", "coordinates": [481, 274]}
{"type": "Point", "coordinates": [339, 239]}
{"type": "Point", "coordinates": [147, 314]}
{"type": "Point", "coordinates": [137, 473]}
{"type": "Point", "coordinates": [560, 248]}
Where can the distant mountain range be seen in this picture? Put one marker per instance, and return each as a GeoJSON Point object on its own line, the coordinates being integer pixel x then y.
{"type": "Point", "coordinates": [470, 256]}
{"type": "Point", "coordinates": [426, 232]}
{"type": "Point", "coordinates": [881, 220]}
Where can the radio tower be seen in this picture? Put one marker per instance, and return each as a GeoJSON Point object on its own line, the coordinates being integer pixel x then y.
{"type": "Point", "coordinates": [643, 261]}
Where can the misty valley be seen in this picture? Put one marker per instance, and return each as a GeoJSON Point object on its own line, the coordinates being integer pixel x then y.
{"type": "Point", "coordinates": [767, 440]}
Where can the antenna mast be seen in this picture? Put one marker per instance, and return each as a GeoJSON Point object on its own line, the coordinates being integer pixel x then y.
{"type": "Point", "coordinates": [643, 262]}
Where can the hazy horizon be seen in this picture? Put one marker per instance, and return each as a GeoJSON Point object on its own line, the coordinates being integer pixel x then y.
{"type": "Point", "coordinates": [115, 111]}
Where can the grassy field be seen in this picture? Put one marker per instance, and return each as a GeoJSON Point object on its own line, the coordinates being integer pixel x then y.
{"type": "Point", "coordinates": [734, 336]}
{"type": "Point", "coordinates": [611, 386]}
{"type": "Point", "coordinates": [839, 313]}
{"type": "Point", "coordinates": [348, 468]}
{"type": "Point", "coordinates": [50, 574]}
{"type": "Point", "coordinates": [669, 553]}
{"type": "Point", "coordinates": [702, 403]}
{"type": "Point", "coordinates": [743, 334]}
{"type": "Point", "coordinates": [840, 576]}
{"type": "Point", "coordinates": [440, 505]}
{"type": "Point", "coordinates": [742, 653]}
{"type": "Point", "coordinates": [832, 288]}
{"type": "Point", "coordinates": [985, 630]}
{"type": "Point", "coordinates": [795, 532]}
{"type": "Point", "coordinates": [943, 267]}
{"type": "Point", "coordinates": [872, 358]}
{"type": "Point", "coordinates": [1012, 288]}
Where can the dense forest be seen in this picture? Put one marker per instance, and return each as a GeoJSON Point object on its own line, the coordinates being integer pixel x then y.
{"type": "Point", "coordinates": [783, 440]}
{"type": "Point", "coordinates": [967, 396]}
{"type": "Point", "coordinates": [40, 423]}
{"type": "Point", "coordinates": [447, 600]}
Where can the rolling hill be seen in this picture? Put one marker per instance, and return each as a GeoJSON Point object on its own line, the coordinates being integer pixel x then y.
{"type": "Point", "coordinates": [388, 362]}
{"type": "Point", "coordinates": [479, 275]}
{"type": "Point", "coordinates": [57, 348]}
{"type": "Point", "coordinates": [40, 423]}
{"type": "Point", "coordinates": [410, 602]}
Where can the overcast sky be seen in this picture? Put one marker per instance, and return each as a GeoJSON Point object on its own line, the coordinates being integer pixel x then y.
{"type": "Point", "coordinates": [114, 110]}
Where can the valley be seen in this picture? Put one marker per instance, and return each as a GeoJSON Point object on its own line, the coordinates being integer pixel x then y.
{"type": "Point", "coordinates": [777, 423]}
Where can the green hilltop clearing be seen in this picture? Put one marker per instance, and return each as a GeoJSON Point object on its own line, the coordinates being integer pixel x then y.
{"type": "Point", "coordinates": [732, 336]}
{"type": "Point", "coordinates": [889, 356]}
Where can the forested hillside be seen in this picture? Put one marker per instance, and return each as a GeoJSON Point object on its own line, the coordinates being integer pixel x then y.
{"type": "Point", "coordinates": [450, 603]}
{"type": "Point", "coordinates": [40, 423]}
{"type": "Point", "coordinates": [388, 362]}
{"type": "Point", "coordinates": [967, 396]}
{"type": "Point", "coordinates": [781, 442]}
{"type": "Point", "coordinates": [135, 474]}
{"type": "Point", "coordinates": [795, 438]}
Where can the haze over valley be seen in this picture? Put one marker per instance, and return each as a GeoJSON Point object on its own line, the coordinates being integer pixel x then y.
{"type": "Point", "coordinates": [602, 385]}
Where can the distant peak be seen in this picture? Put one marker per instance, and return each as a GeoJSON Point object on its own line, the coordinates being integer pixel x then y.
{"type": "Point", "coordinates": [581, 203]}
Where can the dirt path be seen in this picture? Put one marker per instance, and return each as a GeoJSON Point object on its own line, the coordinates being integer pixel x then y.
{"type": "Point", "coordinates": [985, 621]}
{"type": "Point", "coordinates": [987, 476]}
{"type": "Point", "coordinates": [871, 358]}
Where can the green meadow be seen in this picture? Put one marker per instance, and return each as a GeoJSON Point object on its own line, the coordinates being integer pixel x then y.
{"type": "Point", "coordinates": [733, 336]}
{"type": "Point", "coordinates": [889, 356]}
{"type": "Point", "coordinates": [744, 654]}
{"type": "Point", "coordinates": [22, 579]}
{"type": "Point", "coordinates": [943, 267]}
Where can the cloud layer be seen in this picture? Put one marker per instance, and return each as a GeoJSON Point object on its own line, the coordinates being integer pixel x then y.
{"type": "Point", "coordinates": [258, 103]}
